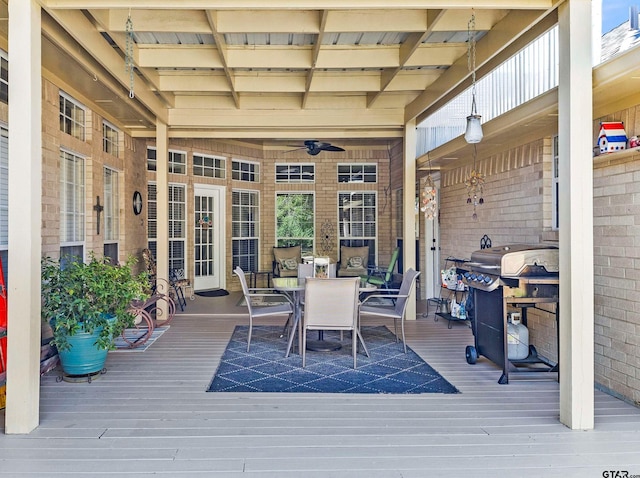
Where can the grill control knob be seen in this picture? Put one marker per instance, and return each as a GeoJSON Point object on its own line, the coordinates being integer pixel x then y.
{"type": "Point", "coordinates": [487, 279]}
{"type": "Point", "coordinates": [480, 277]}
{"type": "Point", "coordinates": [473, 276]}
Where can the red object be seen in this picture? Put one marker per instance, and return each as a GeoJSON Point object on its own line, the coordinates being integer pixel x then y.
{"type": "Point", "coordinates": [3, 320]}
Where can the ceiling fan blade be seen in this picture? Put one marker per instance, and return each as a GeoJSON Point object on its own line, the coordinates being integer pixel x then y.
{"type": "Point", "coordinates": [297, 148]}
{"type": "Point", "coordinates": [329, 147]}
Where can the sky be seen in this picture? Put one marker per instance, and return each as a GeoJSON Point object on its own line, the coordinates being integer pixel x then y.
{"type": "Point", "coordinates": [615, 12]}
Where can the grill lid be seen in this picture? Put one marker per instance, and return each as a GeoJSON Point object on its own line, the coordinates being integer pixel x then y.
{"type": "Point", "coordinates": [517, 260]}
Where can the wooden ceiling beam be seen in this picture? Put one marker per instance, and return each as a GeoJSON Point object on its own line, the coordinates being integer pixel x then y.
{"type": "Point", "coordinates": [212, 18]}
{"type": "Point", "coordinates": [314, 57]}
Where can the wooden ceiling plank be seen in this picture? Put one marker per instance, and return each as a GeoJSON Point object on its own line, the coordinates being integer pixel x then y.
{"type": "Point", "coordinates": [82, 31]}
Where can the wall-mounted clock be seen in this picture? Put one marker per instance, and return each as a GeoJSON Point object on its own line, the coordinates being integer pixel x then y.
{"type": "Point", "coordinates": [137, 203]}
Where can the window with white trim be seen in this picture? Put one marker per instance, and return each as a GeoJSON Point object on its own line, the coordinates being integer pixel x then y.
{"type": "Point", "coordinates": [209, 166]}
{"type": "Point", "coordinates": [4, 77]}
{"type": "Point", "coordinates": [295, 173]}
{"type": "Point", "coordinates": [555, 200]}
{"type": "Point", "coordinates": [72, 199]}
{"type": "Point", "coordinates": [295, 220]}
{"type": "Point", "coordinates": [357, 220]}
{"type": "Point", "coordinates": [245, 227]}
{"type": "Point", "coordinates": [111, 213]}
{"type": "Point", "coordinates": [177, 223]}
{"type": "Point", "coordinates": [152, 162]}
{"type": "Point", "coordinates": [177, 226]}
{"type": "Point", "coordinates": [152, 218]}
{"type": "Point", "coordinates": [110, 139]}
{"type": "Point", "coordinates": [357, 173]}
{"type": "Point", "coordinates": [72, 117]}
{"type": "Point", "coordinates": [177, 162]}
{"type": "Point", "coordinates": [245, 171]}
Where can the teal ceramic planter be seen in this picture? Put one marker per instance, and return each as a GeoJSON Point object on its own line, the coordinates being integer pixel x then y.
{"type": "Point", "coordinates": [83, 358]}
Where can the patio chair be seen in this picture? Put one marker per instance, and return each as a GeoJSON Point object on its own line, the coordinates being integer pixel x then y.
{"type": "Point", "coordinates": [332, 304]}
{"type": "Point", "coordinates": [260, 312]}
{"type": "Point", "coordinates": [382, 276]}
{"type": "Point", "coordinates": [398, 311]}
{"type": "Point", "coordinates": [286, 260]}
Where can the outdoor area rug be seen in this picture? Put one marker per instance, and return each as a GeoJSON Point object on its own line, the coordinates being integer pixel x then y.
{"type": "Point", "coordinates": [132, 334]}
{"type": "Point", "coordinates": [212, 293]}
{"type": "Point", "coordinates": [265, 369]}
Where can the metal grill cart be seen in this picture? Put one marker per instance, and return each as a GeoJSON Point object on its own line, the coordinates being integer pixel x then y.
{"type": "Point", "coordinates": [503, 278]}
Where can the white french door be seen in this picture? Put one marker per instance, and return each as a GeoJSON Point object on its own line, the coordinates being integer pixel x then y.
{"type": "Point", "coordinates": [209, 245]}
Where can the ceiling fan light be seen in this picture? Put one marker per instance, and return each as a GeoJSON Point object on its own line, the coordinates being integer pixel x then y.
{"type": "Point", "coordinates": [473, 134]}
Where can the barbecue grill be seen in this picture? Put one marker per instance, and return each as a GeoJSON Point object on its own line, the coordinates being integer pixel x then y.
{"type": "Point", "coordinates": [518, 276]}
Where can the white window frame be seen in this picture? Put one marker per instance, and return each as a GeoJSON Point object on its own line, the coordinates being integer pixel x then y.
{"type": "Point", "coordinates": [348, 172]}
{"type": "Point", "coordinates": [251, 174]}
{"type": "Point", "coordinates": [295, 172]}
{"type": "Point", "coordinates": [177, 166]}
{"type": "Point", "coordinates": [152, 162]}
{"type": "Point", "coordinates": [110, 144]}
{"type": "Point", "coordinates": [209, 166]}
{"type": "Point", "coordinates": [72, 199]}
{"type": "Point", "coordinates": [77, 128]}
{"type": "Point", "coordinates": [4, 82]}
{"type": "Point", "coordinates": [245, 228]}
{"type": "Point", "coordinates": [177, 226]}
{"type": "Point", "coordinates": [357, 227]}
{"type": "Point", "coordinates": [111, 212]}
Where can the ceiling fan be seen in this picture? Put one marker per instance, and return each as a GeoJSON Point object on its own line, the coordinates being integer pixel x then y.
{"type": "Point", "coordinates": [314, 147]}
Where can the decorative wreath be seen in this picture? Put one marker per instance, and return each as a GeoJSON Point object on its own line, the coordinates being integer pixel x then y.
{"type": "Point", "coordinates": [205, 221]}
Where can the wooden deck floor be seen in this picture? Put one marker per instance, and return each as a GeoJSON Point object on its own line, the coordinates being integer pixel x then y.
{"type": "Point", "coordinates": [149, 414]}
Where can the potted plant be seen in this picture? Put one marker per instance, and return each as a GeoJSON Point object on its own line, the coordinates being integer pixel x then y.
{"type": "Point", "coordinates": [87, 305]}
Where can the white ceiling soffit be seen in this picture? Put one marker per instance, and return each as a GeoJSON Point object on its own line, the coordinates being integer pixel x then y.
{"type": "Point", "coordinates": [229, 69]}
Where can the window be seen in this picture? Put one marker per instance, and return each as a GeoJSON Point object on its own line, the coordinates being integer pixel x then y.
{"type": "Point", "coordinates": [4, 77]}
{"type": "Point", "coordinates": [357, 173]}
{"type": "Point", "coordinates": [555, 200]}
{"type": "Point", "coordinates": [152, 217]}
{"type": "Point", "coordinates": [295, 173]}
{"type": "Point", "coordinates": [209, 166]}
{"type": "Point", "coordinates": [72, 117]}
{"type": "Point", "coordinates": [110, 142]}
{"type": "Point", "coordinates": [245, 228]}
{"type": "Point", "coordinates": [295, 220]}
{"type": "Point", "coordinates": [152, 163]}
{"type": "Point", "coordinates": [177, 162]}
{"type": "Point", "coordinates": [72, 197]}
{"type": "Point", "coordinates": [111, 214]}
{"type": "Point", "coordinates": [177, 223]}
{"type": "Point", "coordinates": [245, 171]}
{"type": "Point", "coordinates": [357, 213]}
{"type": "Point", "coordinates": [177, 226]}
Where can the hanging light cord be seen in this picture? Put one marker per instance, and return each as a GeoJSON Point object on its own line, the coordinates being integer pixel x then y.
{"type": "Point", "coordinates": [128, 57]}
{"type": "Point", "coordinates": [471, 59]}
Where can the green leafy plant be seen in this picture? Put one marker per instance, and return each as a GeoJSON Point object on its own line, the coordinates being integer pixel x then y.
{"type": "Point", "coordinates": [83, 297]}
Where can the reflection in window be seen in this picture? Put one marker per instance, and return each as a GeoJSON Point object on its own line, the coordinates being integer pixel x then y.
{"type": "Point", "coordinates": [295, 220]}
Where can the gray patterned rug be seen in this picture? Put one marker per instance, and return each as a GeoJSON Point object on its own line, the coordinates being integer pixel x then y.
{"type": "Point", "coordinates": [265, 369]}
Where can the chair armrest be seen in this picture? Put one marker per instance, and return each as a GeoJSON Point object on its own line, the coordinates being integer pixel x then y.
{"type": "Point", "coordinates": [270, 294]}
{"type": "Point", "coordinates": [384, 296]}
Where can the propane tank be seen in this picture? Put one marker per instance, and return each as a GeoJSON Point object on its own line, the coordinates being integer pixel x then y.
{"type": "Point", "coordinates": [517, 338]}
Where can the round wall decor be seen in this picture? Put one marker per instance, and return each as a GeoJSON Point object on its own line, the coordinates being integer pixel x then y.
{"type": "Point", "coordinates": [137, 203]}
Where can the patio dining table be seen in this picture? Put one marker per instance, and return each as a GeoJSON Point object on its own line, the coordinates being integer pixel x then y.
{"type": "Point", "coordinates": [294, 286]}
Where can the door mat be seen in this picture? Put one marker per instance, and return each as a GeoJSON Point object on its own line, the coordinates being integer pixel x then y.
{"type": "Point", "coordinates": [212, 293]}
{"type": "Point", "coordinates": [132, 334]}
{"type": "Point", "coordinates": [265, 369]}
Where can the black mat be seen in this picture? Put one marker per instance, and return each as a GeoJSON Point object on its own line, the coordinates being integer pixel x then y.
{"type": "Point", "coordinates": [212, 293]}
{"type": "Point", "coordinates": [265, 369]}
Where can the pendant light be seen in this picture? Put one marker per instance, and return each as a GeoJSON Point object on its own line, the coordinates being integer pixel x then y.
{"type": "Point", "coordinates": [473, 133]}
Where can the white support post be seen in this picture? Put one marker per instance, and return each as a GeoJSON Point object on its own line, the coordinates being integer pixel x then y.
{"type": "Point", "coordinates": [25, 218]}
{"type": "Point", "coordinates": [409, 208]}
{"type": "Point", "coordinates": [576, 215]}
{"type": "Point", "coordinates": [162, 192]}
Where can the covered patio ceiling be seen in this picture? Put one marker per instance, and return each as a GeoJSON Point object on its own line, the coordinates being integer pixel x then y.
{"type": "Point", "coordinates": [273, 72]}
